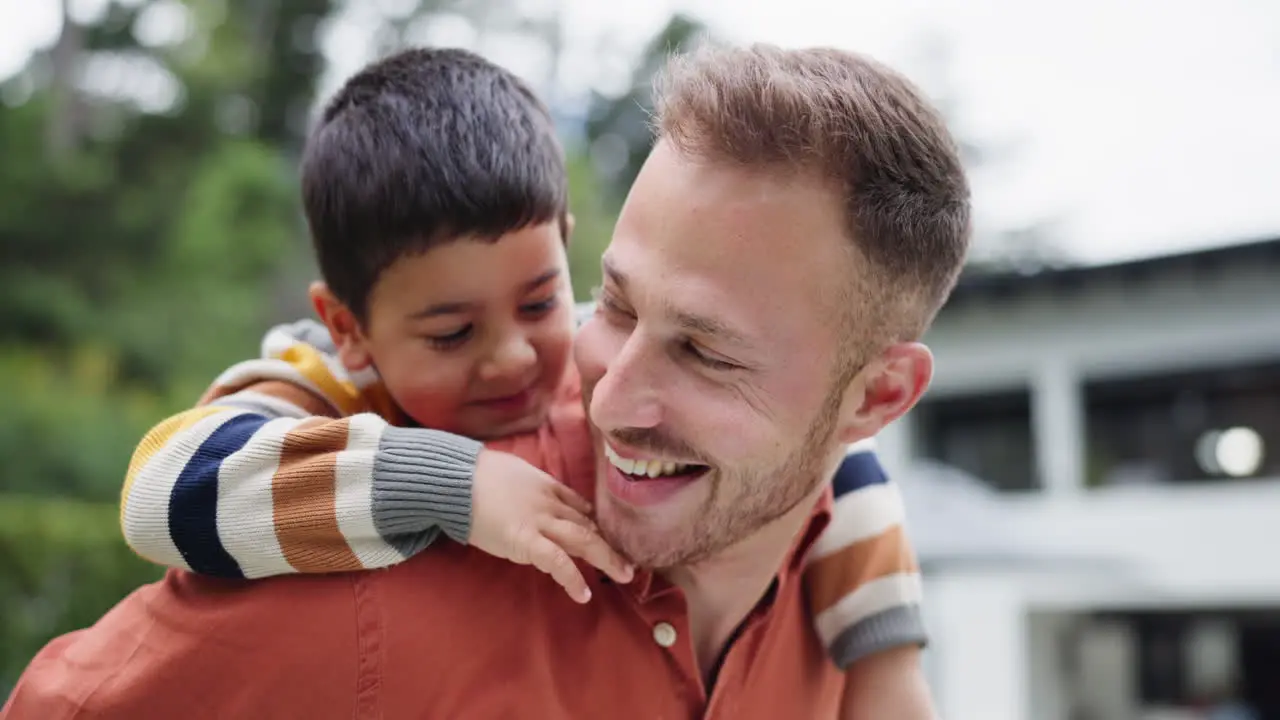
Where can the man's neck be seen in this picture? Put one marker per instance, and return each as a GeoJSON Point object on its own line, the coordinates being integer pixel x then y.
{"type": "Point", "coordinates": [721, 591]}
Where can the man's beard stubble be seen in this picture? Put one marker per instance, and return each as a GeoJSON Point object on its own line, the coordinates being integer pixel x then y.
{"type": "Point", "coordinates": [737, 505]}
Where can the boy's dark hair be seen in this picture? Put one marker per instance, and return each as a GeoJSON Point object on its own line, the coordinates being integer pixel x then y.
{"type": "Point", "coordinates": [424, 147]}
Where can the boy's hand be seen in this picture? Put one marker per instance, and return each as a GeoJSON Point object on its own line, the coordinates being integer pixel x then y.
{"type": "Point", "coordinates": [528, 517]}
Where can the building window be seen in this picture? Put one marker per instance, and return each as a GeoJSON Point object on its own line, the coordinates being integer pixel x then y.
{"type": "Point", "coordinates": [988, 436]}
{"type": "Point", "coordinates": [1202, 426]}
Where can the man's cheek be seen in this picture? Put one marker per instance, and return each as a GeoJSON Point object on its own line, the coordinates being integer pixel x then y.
{"type": "Point", "coordinates": [589, 351]}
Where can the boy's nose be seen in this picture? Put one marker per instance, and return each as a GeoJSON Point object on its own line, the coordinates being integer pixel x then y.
{"type": "Point", "coordinates": [514, 357]}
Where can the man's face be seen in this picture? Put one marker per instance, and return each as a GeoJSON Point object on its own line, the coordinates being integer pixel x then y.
{"type": "Point", "coordinates": [709, 367]}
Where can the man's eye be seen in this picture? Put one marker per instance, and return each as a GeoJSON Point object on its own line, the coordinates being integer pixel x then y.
{"type": "Point", "coordinates": [612, 306]}
{"type": "Point", "coordinates": [451, 340]}
{"type": "Point", "coordinates": [711, 362]}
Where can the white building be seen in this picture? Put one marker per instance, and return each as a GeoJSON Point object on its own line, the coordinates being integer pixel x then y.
{"type": "Point", "coordinates": [1120, 556]}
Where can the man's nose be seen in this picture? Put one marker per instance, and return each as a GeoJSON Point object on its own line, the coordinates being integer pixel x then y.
{"type": "Point", "coordinates": [628, 395]}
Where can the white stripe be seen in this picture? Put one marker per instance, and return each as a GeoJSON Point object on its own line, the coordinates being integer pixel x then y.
{"type": "Point", "coordinates": [246, 512]}
{"type": "Point", "coordinates": [364, 378]}
{"type": "Point", "coordinates": [251, 371]}
{"type": "Point", "coordinates": [873, 597]}
{"type": "Point", "coordinates": [146, 509]}
{"type": "Point", "coordinates": [262, 404]}
{"type": "Point", "coordinates": [860, 515]}
{"type": "Point", "coordinates": [277, 340]}
{"type": "Point", "coordinates": [299, 332]}
{"type": "Point", "coordinates": [354, 479]}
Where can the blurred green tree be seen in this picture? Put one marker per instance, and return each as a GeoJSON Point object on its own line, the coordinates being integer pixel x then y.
{"type": "Point", "coordinates": [617, 127]}
{"type": "Point", "coordinates": [146, 226]}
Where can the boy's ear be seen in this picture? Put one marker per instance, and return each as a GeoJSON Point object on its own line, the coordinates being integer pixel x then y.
{"type": "Point", "coordinates": [344, 327]}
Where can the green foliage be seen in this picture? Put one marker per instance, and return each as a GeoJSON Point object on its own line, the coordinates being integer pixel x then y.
{"type": "Point", "coordinates": [203, 304]}
{"type": "Point", "coordinates": [68, 428]}
{"type": "Point", "coordinates": [62, 565]}
{"type": "Point", "coordinates": [593, 215]}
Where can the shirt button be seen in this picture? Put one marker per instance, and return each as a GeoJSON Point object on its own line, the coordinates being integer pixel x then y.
{"type": "Point", "coordinates": [664, 634]}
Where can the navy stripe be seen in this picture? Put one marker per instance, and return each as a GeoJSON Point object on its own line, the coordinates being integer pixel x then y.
{"type": "Point", "coordinates": [193, 505]}
{"type": "Point", "coordinates": [858, 471]}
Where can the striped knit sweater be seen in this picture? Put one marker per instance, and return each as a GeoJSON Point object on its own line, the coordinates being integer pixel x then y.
{"type": "Point", "coordinates": [290, 465]}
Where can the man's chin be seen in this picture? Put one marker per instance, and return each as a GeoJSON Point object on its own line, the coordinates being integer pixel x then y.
{"type": "Point", "coordinates": [651, 536]}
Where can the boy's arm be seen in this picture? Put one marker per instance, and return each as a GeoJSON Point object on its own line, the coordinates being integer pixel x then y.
{"type": "Point", "coordinates": [266, 481]}
{"type": "Point", "coordinates": [863, 578]}
{"type": "Point", "coordinates": [889, 684]}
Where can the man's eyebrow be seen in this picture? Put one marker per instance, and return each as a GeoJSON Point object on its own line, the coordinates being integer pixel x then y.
{"type": "Point", "coordinates": [613, 274]}
{"type": "Point", "coordinates": [708, 327]}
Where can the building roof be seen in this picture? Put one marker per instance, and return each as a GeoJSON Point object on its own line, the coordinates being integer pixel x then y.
{"type": "Point", "coordinates": [954, 518]}
{"type": "Point", "coordinates": [1002, 285]}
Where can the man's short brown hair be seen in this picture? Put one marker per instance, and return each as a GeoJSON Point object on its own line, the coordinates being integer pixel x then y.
{"type": "Point", "coordinates": [859, 125]}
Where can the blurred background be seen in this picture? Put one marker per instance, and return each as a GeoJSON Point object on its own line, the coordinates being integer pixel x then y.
{"type": "Point", "coordinates": [1093, 482]}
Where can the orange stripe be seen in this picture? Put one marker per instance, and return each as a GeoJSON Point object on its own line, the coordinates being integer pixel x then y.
{"type": "Point", "coordinates": [836, 575]}
{"type": "Point", "coordinates": [303, 492]}
{"type": "Point", "coordinates": [289, 392]}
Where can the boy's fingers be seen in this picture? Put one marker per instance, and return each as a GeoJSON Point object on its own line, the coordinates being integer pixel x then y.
{"type": "Point", "coordinates": [552, 560]}
{"type": "Point", "coordinates": [585, 542]}
{"type": "Point", "coordinates": [572, 499]}
{"type": "Point", "coordinates": [564, 512]}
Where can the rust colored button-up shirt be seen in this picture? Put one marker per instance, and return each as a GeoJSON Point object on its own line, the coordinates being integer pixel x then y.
{"type": "Point", "coordinates": [450, 633]}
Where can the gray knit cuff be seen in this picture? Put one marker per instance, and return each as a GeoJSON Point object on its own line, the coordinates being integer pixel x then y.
{"type": "Point", "coordinates": [895, 627]}
{"type": "Point", "coordinates": [421, 486]}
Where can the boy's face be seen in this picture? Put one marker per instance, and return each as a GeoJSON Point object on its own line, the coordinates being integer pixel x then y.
{"type": "Point", "coordinates": [471, 337]}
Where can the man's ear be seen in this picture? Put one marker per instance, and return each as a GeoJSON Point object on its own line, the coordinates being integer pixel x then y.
{"type": "Point", "coordinates": [885, 390]}
{"type": "Point", "coordinates": [344, 327]}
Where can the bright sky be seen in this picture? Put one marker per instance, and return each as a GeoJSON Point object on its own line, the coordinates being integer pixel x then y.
{"type": "Point", "coordinates": [1143, 123]}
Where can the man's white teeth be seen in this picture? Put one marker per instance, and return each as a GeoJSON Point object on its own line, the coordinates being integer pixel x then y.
{"type": "Point", "coordinates": [649, 468]}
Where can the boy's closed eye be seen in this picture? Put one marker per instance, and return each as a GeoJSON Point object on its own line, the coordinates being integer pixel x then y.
{"type": "Point", "coordinates": [457, 337]}
{"type": "Point", "coordinates": [450, 340]}
{"type": "Point", "coordinates": [539, 308]}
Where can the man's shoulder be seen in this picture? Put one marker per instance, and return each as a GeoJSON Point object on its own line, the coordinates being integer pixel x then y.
{"type": "Point", "coordinates": [229, 638]}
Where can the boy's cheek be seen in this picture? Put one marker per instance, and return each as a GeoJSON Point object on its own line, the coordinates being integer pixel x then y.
{"type": "Point", "coordinates": [432, 396]}
{"type": "Point", "coordinates": [554, 344]}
